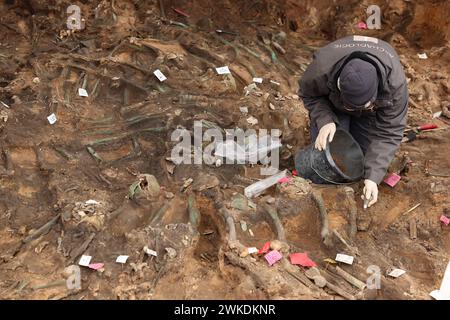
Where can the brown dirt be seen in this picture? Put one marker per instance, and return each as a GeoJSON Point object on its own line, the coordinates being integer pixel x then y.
{"type": "Point", "coordinates": [46, 169]}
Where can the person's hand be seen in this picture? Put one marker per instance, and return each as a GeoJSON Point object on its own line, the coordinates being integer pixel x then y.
{"type": "Point", "coordinates": [326, 132]}
{"type": "Point", "coordinates": [370, 193]}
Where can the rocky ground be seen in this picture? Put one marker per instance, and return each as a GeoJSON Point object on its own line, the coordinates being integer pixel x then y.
{"type": "Point", "coordinates": [114, 147]}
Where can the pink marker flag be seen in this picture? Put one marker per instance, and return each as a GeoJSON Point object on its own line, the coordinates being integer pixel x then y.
{"type": "Point", "coordinates": [284, 180]}
{"type": "Point", "coordinates": [445, 220]}
{"type": "Point", "coordinates": [392, 179]}
{"type": "Point", "coordinates": [273, 256]}
{"type": "Point", "coordinates": [361, 25]}
{"type": "Point", "coordinates": [96, 266]}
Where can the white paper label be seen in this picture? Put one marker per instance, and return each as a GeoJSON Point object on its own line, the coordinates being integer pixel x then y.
{"type": "Point", "coordinates": [344, 258]}
{"type": "Point", "coordinates": [436, 294]}
{"type": "Point", "coordinates": [423, 56]}
{"type": "Point", "coordinates": [84, 261]}
{"type": "Point", "coordinates": [397, 273]}
{"type": "Point", "coordinates": [437, 114]}
{"type": "Point", "coordinates": [445, 285]}
{"type": "Point", "coordinates": [150, 252]}
{"type": "Point", "coordinates": [258, 80]}
{"type": "Point", "coordinates": [82, 92]}
{"type": "Point", "coordinates": [51, 118]}
{"type": "Point", "coordinates": [122, 259]}
{"type": "Point", "coordinates": [444, 291]}
{"type": "Point", "coordinates": [363, 38]}
{"type": "Point", "coordinates": [161, 77]}
{"type": "Point", "coordinates": [90, 201]}
{"type": "Point", "coordinates": [252, 250]}
{"type": "Point", "coordinates": [274, 82]}
{"type": "Point", "coordinates": [223, 70]}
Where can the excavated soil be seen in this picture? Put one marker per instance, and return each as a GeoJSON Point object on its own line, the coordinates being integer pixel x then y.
{"type": "Point", "coordinates": [101, 144]}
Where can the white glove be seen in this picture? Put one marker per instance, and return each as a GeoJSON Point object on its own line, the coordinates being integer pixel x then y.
{"type": "Point", "coordinates": [326, 132]}
{"type": "Point", "coordinates": [370, 193]}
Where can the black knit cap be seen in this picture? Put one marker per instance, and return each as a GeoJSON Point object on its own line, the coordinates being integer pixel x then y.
{"type": "Point", "coordinates": [358, 83]}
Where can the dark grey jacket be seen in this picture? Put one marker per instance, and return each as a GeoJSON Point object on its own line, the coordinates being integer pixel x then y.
{"type": "Point", "coordinates": [318, 89]}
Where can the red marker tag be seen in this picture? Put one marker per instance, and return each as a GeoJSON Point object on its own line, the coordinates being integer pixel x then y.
{"type": "Point", "coordinates": [428, 126]}
{"type": "Point", "coordinates": [302, 259]}
{"type": "Point", "coordinates": [265, 248]}
{"type": "Point", "coordinates": [181, 13]}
